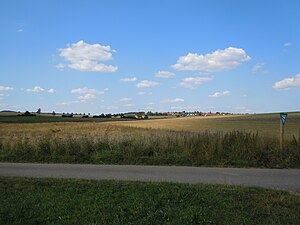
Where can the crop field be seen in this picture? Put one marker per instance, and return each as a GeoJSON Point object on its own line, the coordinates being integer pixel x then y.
{"type": "Point", "coordinates": [265, 124]}
{"type": "Point", "coordinates": [234, 141]}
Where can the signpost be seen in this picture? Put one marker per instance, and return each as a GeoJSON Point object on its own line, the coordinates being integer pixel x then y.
{"type": "Point", "coordinates": [283, 117]}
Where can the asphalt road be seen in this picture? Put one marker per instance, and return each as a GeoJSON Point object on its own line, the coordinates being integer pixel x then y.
{"type": "Point", "coordinates": [286, 179]}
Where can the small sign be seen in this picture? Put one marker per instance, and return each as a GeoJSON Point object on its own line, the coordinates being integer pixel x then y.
{"type": "Point", "coordinates": [283, 117]}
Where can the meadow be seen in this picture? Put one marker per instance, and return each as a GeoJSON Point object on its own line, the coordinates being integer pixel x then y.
{"type": "Point", "coordinates": [230, 141]}
{"type": "Point", "coordinates": [52, 201]}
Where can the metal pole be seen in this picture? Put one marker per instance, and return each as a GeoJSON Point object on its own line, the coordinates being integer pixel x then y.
{"type": "Point", "coordinates": [281, 134]}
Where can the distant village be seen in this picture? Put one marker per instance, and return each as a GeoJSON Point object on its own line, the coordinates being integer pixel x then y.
{"type": "Point", "coordinates": [133, 115]}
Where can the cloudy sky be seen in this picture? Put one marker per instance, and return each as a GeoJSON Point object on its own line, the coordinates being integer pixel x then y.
{"type": "Point", "coordinates": [119, 56]}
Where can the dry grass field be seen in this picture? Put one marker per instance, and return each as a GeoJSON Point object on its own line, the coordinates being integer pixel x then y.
{"type": "Point", "coordinates": [264, 124]}
{"type": "Point", "coordinates": [244, 141]}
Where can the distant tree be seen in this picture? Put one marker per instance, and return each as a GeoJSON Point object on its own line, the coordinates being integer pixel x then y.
{"type": "Point", "coordinates": [39, 111]}
{"type": "Point", "coordinates": [53, 113]}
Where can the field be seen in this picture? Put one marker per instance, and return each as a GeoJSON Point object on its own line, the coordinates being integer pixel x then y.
{"type": "Point", "coordinates": [48, 118]}
{"type": "Point", "coordinates": [234, 141]}
{"type": "Point", "coordinates": [265, 124]}
{"type": "Point", "coordinates": [51, 201]}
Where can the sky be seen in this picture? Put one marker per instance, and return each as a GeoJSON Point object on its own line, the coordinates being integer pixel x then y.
{"type": "Point", "coordinates": [121, 56]}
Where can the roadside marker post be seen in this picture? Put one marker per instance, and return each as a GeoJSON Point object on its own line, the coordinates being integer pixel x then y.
{"type": "Point", "coordinates": [283, 117]}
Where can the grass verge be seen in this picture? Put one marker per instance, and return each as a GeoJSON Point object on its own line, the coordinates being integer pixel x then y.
{"type": "Point", "coordinates": [54, 201]}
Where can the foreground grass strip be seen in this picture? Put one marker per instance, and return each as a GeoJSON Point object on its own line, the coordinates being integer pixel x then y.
{"type": "Point", "coordinates": [53, 201]}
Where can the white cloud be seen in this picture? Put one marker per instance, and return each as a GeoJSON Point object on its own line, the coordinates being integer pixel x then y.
{"type": "Point", "coordinates": [186, 108]}
{"type": "Point", "coordinates": [68, 103]}
{"type": "Point", "coordinates": [151, 103]}
{"type": "Point", "coordinates": [51, 90]}
{"type": "Point", "coordinates": [219, 60]}
{"type": "Point", "coordinates": [220, 94]}
{"type": "Point", "coordinates": [125, 99]}
{"type": "Point", "coordinates": [146, 83]}
{"type": "Point", "coordinates": [36, 89]}
{"type": "Point", "coordinates": [142, 93]}
{"type": "Point", "coordinates": [3, 95]}
{"type": "Point", "coordinates": [61, 66]}
{"type": "Point", "coordinates": [87, 97]}
{"type": "Point", "coordinates": [128, 105]}
{"type": "Point", "coordinates": [257, 67]}
{"type": "Point", "coordinates": [288, 83]}
{"type": "Point", "coordinates": [174, 100]}
{"type": "Point", "coordinates": [3, 88]}
{"type": "Point", "coordinates": [87, 57]}
{"type": "Point", "coordinates": [164, 74]}
{"type": "Point", "coordinates": [86, 90]}
{"type": "Point", "coordinates": [287, 44]}
{"type": "Point", "coordinates": [87, 93]}
{"type": "Point", "coordinates": [191, 82]}
{"type": "Point", "coordinates": [128, 79]}
{"type": "Point", "coordinates": [20, 30]}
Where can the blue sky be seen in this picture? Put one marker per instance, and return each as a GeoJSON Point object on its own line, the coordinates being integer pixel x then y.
{"type": "Point", "coordinates": [119, 56]}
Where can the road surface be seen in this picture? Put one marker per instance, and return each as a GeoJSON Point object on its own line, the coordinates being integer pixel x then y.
{"type": "Point", "coordinates": [286, 179]}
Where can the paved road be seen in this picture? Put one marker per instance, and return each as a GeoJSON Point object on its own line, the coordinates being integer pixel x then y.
{"type": "Point", "coordinates": [287, 179]}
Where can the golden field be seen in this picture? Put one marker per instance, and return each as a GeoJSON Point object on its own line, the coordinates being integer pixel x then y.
{"type": "Point", "coordinates": [244, 141]}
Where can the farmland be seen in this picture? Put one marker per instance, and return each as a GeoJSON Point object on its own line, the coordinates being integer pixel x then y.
{"type": "Point", "coordinates": [234, 141]}
{"type": "Point", "coordinates": [265, 124]}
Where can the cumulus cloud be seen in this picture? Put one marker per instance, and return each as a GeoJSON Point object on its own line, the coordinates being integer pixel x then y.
{"type": "Point", "coordinates": [3, 88]}
{"type": "Point", "coordinates": [87, 97]}
{"type": "Point", "coordinates": [164, 74]}
{"type": "Point", "coordinates": [87, 93]}
{"type": "Point", "coordinates": [288, 83]}
{"type": "Point", "coordinates": [128, 79]}
{"type": "Point", "coordinates": [220, 94]}
{"type": "Point", "coordinates": [144, 93]}
{"type": "Point", "coordinates": [174, 100]}
{"type": "Point", "coordinates": [51, 90]}
{"type": "Point", "coordinates": [36, 89]}
{"type": "Point", "coordinates": [87, 57]}
{"type": "Point", "coordinates": [257, 67]}
{"type": "Point", "coordinates": [146, 83]}
{"type": "Point", "coordinates": [220, 60]}
{"type": "Point", "coordinates": [191, 82]}
{"type": "Point", "coordinates": [86, 90]}
{"type": "Point", "coordinates": [125, 99]}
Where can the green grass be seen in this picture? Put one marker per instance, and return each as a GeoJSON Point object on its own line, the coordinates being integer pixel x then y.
{"type": "Point", "coordinates": [53, 201]}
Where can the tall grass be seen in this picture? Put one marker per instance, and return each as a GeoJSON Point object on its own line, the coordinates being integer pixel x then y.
{"type": "Point", "coordinates": [127, 145]}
